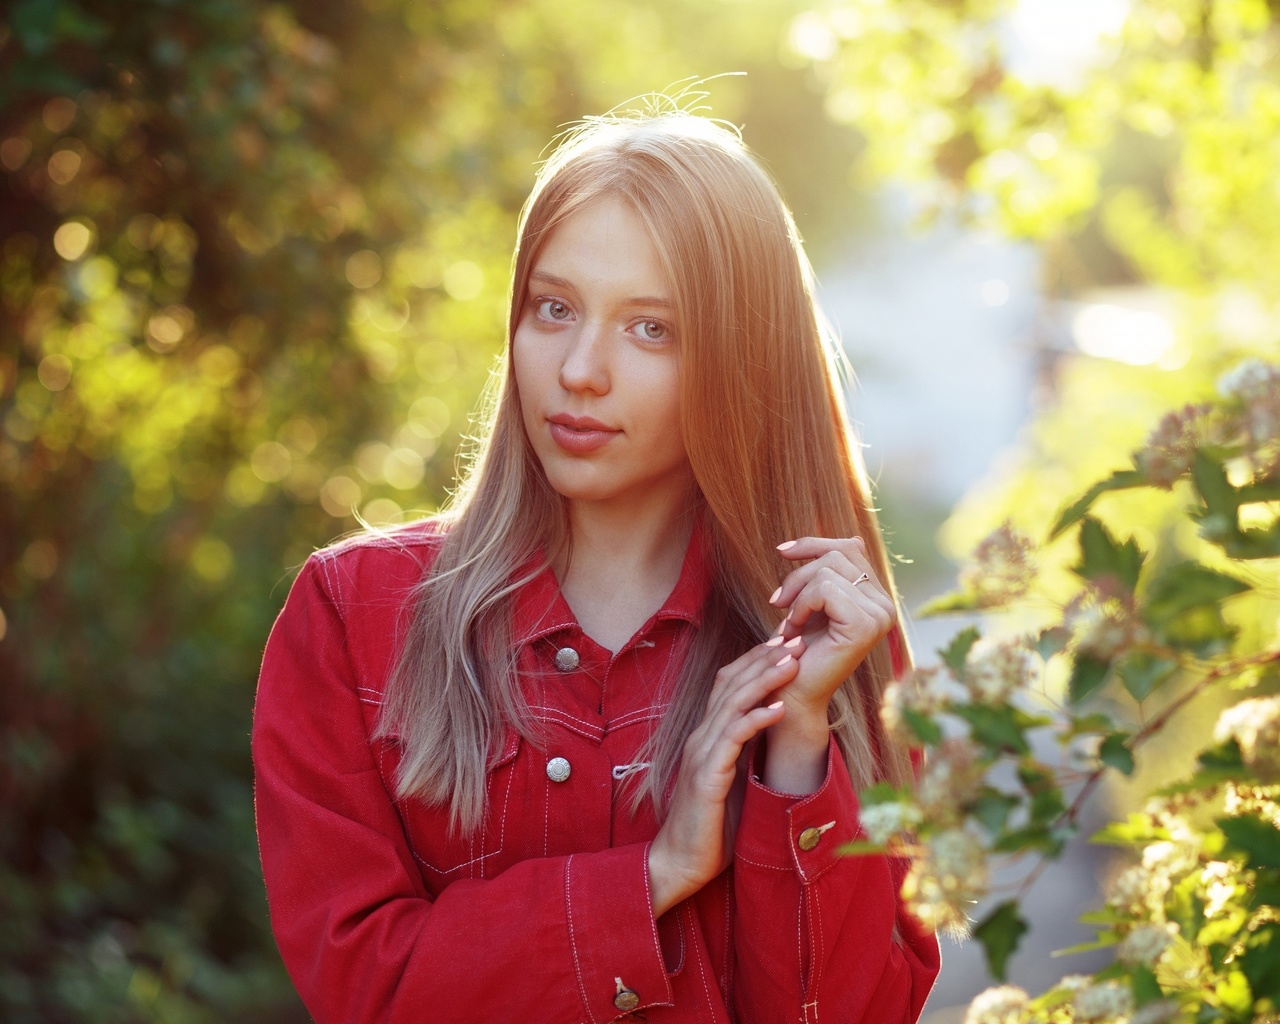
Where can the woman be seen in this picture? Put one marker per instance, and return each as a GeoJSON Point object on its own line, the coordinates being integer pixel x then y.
{"type": "Point", "coordinates": [569, 752]}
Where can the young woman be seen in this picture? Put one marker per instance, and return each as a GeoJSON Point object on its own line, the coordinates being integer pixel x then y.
{"type": "Point", "coordinates": [586, 746]}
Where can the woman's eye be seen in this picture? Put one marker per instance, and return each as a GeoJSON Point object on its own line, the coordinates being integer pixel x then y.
{"type": "Point", "coordinates": [554, 310]}
{"type": "Point", "coordinates": [653, 330]}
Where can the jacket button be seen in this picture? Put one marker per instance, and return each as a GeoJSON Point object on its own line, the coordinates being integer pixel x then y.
{"type": "Point", "coordinates": [626, 1000]}
{"type": "Point", "coordinates": [809, 839]}
{"type": "Point", "coordinates": [566, 659]}
{"type": "Point", "coordinates": [558, 769]}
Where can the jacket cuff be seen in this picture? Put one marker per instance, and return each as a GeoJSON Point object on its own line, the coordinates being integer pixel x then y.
{"type": "Point", "coordinates": [784, 832]}
{"type": "Point", "coordinates": [612, 932]}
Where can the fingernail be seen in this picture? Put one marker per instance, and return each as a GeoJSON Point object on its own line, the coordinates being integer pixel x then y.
{"type": "Point", "coordinates": [784, 661]}
{"type": "Point", "coordinates": [773, 641]}
{"type": "Point", "coordinates": [775, 595]}
{"type": "Point", "coordinates": [775, 705]}
{"type": "Point", "coordinates": [786, 545]}
{"type": "Point", "coordinates": [795, 641]}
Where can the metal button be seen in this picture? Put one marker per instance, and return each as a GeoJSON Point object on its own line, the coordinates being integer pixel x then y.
{"type": "Point", "coordinates": [566, 659]}
{"type": "Point", "coordinates": [809, 839]}
{"type": "Point", "coordinates": [626, 1000]}
{"type": "Point", "coordinates": [558, 769]}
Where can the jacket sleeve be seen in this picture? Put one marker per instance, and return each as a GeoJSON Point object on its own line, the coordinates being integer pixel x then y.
{"type": "Point", "coordinates": [360, 935]}
{"type": "Point", "coordinates": [819, 936]}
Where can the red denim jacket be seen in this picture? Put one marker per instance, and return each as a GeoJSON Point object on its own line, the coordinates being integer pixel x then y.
{"type": "Point", "coordinates": [544, 915]}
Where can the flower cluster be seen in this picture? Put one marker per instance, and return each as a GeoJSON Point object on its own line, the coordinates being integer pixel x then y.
{"type": "Point", "coordinates": [1171, 448]}
{"type": "Point", "coordinates": [1001, 569]}
{"type": "Point", "coordinates": [1146, 943]}
{"type": "Point", "coordinates": [1255, 725]}
{"type": "Point", "coordinates": [950, 780]}
{"type": "Point", "coordinates": [1101, 1001]}
{"type": "Point", "coordinates": [1104, 629]}
{"type": "Point", "coordinates": [882, 821]}
{"type": "Point", "coordinates": [1255, 385]}
{"type": "Point", "coordinates": [926, 691]}
{"type": "Point", "coordinates": [943, 885]}
{"type": "Point", "coordinates": [1006, 1004]}
{"type": "Point", "coordinates": [995, 669]}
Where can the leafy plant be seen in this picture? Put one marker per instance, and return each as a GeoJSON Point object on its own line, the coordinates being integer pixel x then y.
{"type": "Point", "coordinates": [1148, 634]}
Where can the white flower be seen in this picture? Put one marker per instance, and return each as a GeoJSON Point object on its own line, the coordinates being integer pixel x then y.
{"type": "Point", "coordinates": [1138, 890]}
{"type": "Point", "coordinates": [1170, 449]}
{"type": "Point", "coordinates": [1075, 982]}
{"type": "Point", "coordinates": [1250, 380]}
{"type": "Point", "coordinates": [993, 669]}
{"type": "Point", "coordinates": [1160, 1012]}
{"type": "Point", "coordinates": [1003, 1005]}
{"type": "Point", "coordinates": [950, 778]}
{"type": "Point", "coordinates": [1105, 629]}
{"type": "Point", "coordinates": [1218, 886]}
{"type": "Point", "coordinates": [1001, 569]}
{"type": "Point", "coordinates": [1168, 858]}
{"type": "Point", "coordinates": [1103, 1001]}
{"type": "Point", "coordinates": [1255, 725]}
{"type": "Point", "coordinates": [883, 821]}
{"type": "Point", "coordinates": [1146, 943]}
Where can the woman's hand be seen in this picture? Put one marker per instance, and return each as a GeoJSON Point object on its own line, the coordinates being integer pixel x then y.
{"type": "Point", "coordinates": [837, 604]}
{"type": "Point", "coordinates": [696, 840]}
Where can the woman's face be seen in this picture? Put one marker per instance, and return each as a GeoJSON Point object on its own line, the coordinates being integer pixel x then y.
{"type": "Point", "coordinates": [595, 362]}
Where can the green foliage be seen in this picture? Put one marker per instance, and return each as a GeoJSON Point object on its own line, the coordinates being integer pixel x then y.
{"type": "Point", "coordinates": [1209, 877]}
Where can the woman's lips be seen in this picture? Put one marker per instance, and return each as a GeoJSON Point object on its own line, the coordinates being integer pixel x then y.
{"type": "Point", "coordinates": [580, 440]}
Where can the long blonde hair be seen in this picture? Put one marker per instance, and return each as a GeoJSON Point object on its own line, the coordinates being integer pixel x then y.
{"type": "Point", "coordinates": [768, 440]}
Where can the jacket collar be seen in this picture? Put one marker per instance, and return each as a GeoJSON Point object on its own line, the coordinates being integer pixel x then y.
{"type": "Point", "coordinates": [540, 609]}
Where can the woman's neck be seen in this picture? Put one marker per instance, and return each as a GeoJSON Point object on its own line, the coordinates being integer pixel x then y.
{"type": "Point", "coordinates": [622, 566]}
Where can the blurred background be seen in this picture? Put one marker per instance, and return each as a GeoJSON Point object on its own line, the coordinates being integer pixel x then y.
{"type": "Point", "coordinates": [253, 260]}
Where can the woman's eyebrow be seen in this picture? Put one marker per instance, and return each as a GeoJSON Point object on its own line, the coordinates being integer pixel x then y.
{"type": "Point", "coordinates": [560, 282]}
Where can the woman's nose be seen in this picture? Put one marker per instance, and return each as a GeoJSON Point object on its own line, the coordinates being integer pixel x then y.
{"type": "Point", "coordinates": [585, 366]}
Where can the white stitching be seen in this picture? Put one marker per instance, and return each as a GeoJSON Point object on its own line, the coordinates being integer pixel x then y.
{"type": "Point", "coordinates": [573, 945]}
{"type": "Point", "coordinates": [702, 974]}
{"type": "Point", "coordinates": [502, 831]}
{"type": "Point", "coordinates": [758, 864]}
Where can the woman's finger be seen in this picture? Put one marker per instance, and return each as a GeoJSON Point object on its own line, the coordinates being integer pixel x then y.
{"type": "Point", "coordinates": [834, 560]}
{"type": "Point", "coordinates": [802, 548]}
{"type": "Point", "coordinates": [846, 607]}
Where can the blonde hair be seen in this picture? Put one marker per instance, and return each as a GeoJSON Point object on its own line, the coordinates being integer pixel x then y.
{"type": "Point", "coordinates": [768, 440]}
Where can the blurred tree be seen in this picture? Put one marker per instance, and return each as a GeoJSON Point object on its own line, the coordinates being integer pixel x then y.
{"type": "Point", "coordinates": [252, 271]}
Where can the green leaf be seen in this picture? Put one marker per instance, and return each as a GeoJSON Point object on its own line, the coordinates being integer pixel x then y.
{"type": "Point", "coordinates": [954, 653]}
{"type": "Point", "coordinates": [1202, 630]}
{"type": "Point", "coordinates": [1046, 806]}
{"type": "Point", "coordinates": [861, 848]}
{"type": "Point", "coordinates": [1142, 672]}
{"type": "Point", "coordinates": [1145, 987]}
{"type": "Point", "coordinates": [1000, 932]}
{"type": "Point", "coordinates": [1093, 722]}
{"type": "Point", "coordinates": [925, 728]}
{"type": "Point", "coordinates": [1087, 674]}
{"type": "Point", "coordinates": [1210, 478]}
{"type": "Point", "coordinates": [880, 793]}
{"type": "Point", "coordinates": [1115, 752]}
{"type": "Point", "coordinates": [994, 727]}
{"type": "Point", "coordinates": [992, 808]}
{"type": "Point", "coordinates": [957, 601]}
{"type": "Point", "coordinates": [1051, 641]}
{"type": "Point", "coordinates": [1187, 585]}
{"type": "Point", "coordinates": [1258, 840]}
{"type": "Point", "coordinates": [1102, 558]}
{"type": "Point", "coordinates": [1260, 961]}
{"type": "Point", "coordinates": [1119, 480]}
{"type": "Point", "coordinates": [1033, 837]}
{"type": "Point", "coordinates": [1136, 830]}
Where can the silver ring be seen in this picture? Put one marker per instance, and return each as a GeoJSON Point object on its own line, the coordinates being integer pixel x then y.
{"type": "Point", "coordinates": [861, 579]}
